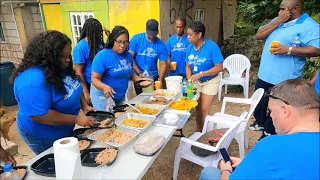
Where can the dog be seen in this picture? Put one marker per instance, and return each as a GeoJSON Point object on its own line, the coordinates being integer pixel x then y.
{"type": "Point", "coordinates": [5, 125]}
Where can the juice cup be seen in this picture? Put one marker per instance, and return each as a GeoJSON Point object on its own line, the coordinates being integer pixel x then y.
{"type": "Point", "coordinates": [157, 85]}
{"type": "Point", "coordinates": [273, 43]}
{"type": "Point", "coordinates": [173, 66]}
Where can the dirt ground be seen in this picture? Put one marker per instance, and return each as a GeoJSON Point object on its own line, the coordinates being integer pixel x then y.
{"type": "Point", "coordinates": [163, 166]}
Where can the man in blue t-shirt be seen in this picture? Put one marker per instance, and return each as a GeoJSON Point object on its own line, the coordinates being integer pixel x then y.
{"type": "Point", "coordinates": [177, 46]}
{"type": "Point", "coordinates": [294, 153]}
{"type": "Point", "coordinates": [298, 35]}
{"type": "Point", "coordinates": [147, 48]}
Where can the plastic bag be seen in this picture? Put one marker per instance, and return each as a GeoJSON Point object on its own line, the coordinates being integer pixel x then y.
{"type": "Point", "coordinates": [110, 104]}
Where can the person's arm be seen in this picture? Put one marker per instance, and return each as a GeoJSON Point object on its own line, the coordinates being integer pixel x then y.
{"type": "Point", "coordinates": [188, 71]}
{"type": "Point", "coordinates": [169, 62]}
{"type": "Point", "coordinates": [163, 70]}
{"type": "Point", "coordinates": [97, 83]}
{"type": "Point", "coordinates": [307, 51]}
{"type": "Point", "coordinates": [79, 71]}
{"type": "Point", "coordinates": [84, 105]}
{"type": "Point", "coordinates": [6, 157]}
{"type": "Point", "coordinates": [214, 70]}
{"type": "Point", "coordinates": [136, 69]}
{"type": "Point", "coordinates": [313, 80]}
{"type": "Point", "coordinates": [265, 31]}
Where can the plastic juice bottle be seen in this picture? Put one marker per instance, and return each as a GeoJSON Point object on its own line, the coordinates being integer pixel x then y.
{"type": "Point", "coordinates": [10, 173]}
{"type": "Point", "coordinates": [184, 89]}
{"type": "Point", "coordinates": [190, 94]}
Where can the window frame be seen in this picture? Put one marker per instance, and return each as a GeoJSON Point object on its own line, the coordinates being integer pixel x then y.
{"type": "Point", "coordinates": [76, 26]}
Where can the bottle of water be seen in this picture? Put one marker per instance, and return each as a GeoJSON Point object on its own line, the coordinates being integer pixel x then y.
{"type": "Point", "coordinates": [10, 173]}
{"type": "Point", "coordinates": [190, 93]}
{"type": "Point", "coordinates": [296, 40]}
{"type": "Point", "coordinates": [184, 89]}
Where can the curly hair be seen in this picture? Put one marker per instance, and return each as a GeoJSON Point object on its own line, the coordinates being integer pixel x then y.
{"type": "Point", "coordinates": [45, 50]}
{"type": "Point", "coordinates": [92, 29]}
{"type": "Point", "coordinates": [198, 26]}
{"type": "Point", "coordinates": [115, 33]}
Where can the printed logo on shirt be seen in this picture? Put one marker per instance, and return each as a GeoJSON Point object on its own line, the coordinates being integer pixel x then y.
{"type": "Point", "coordinates": [195, 60]}
{"type": "Point", "coordinates": [148, 52]}
{"type": "Point", "coordinates": [70, 85]}
{"type": "Point", "coordinates": [179, 47]}
{"type": "Point", "coordinates": [124, 65]}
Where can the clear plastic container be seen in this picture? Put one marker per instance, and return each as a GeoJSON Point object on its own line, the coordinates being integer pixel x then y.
{"type": "Point", "coordinates": [10, 173]}
{"type": "Point", "coordinates": [148, 74]}
{"type": "Point", "coordinates": [149, 144]}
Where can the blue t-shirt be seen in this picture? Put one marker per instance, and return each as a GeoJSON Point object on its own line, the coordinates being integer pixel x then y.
{"type": "Point", "coordinates": [204, 59]}
{"type": "Point", "coordinates": [116, 70]}
{"type": "Point", "coordinates": [317, 83]}
{"type": "Point", "coordinates": [277, 68]}
{"type": "Point", "coordinates": [291, 156]}
{"type": "Point", "coordinates": [35, 97]}
{"type": "Point", "coordinates": [177, 49]}
{"type": "Point", "coordinates": [148, 53]}
{"type": "Point", "coordinates": [81, 54]}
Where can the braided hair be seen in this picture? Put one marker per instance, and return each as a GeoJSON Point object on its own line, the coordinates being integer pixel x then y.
{"type": "Point", "coordinates": [115, 33]}
{"type": "Point", "coordinates": [182, 19]}
{"type": "Point", "coordinates": [45, 50]}
{"type": "Point", "coordinates": [92, 29]}
{"type": "Point", "coordinates": [198, 26]}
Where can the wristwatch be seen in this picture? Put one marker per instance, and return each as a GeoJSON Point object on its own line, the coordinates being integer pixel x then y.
{"type": "Point", "coordinates": [201, 73]}
{"type": "Point", "coordinates": [290, 50]}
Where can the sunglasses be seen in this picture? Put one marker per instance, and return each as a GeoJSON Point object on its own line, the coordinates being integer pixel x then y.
{"type": "Point", "coordinates": [274, 97]}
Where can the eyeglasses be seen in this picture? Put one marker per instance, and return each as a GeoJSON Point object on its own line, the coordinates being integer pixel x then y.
{"type": "Point", "coordinates": [274, 97]}
{"type": "Point", "coordinates": [124, 43]}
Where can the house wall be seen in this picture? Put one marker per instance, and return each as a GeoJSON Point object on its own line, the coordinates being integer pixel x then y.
{"type": "Point", "coordinates": [52, 14]}
{"type": "Point", "coordinates": [133, 14]}
{"type": "Point", "coordinates": [10, 49]}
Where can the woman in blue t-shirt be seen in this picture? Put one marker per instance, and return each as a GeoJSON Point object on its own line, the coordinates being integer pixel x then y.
{"type": "Point", "coordinates": [90, 43]}
{"type": "Point", "coordinates": [112, 70]}
{"type": "Point", "coordinates": [48, 92]}
{"type": "Point", "coordinates": [203, 64]}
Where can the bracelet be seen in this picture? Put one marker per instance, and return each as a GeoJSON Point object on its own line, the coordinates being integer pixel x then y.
{"type": "Point", "coordinates": [201, 74]}
{"type": "Point", "coordinates": [290, 50]}
{"type": "Point", "coordinates": [225, 170]}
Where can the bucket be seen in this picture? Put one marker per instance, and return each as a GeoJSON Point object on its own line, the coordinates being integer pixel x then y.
{"type": "Point", "coordinates": [174, 83]}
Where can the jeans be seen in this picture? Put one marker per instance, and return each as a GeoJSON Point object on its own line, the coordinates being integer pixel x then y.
{"type": "Point", "coordinates": [260, 113]}
{"type": "Point", "coordinates": [210, 173]}
{"type": "Point", "coordinates": [99, 101]}
{"type": "Point", "coordinates": [35, 144]}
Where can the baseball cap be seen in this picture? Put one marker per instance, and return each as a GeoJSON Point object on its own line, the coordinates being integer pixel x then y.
{"type": "Point", "coordinates": [152, 27]}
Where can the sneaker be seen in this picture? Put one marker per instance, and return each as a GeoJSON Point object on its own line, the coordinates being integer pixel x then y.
{"type": "Point", "coordinates": [255, 127]}
{"type": "Point", "coordinates": [264, 134]}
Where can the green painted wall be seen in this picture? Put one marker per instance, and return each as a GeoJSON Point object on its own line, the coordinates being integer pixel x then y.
{"type": "Point", "coordinates": [99, 7]}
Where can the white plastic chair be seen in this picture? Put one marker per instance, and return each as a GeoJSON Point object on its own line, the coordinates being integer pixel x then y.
{"type": "Point", "coordinates": [235, 64]}
{"type": "Point", "coordinates": [229, 120]}
{"type": "Point", "coordinates": [184, 150]}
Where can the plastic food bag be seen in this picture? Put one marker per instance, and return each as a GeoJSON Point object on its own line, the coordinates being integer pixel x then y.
{"type": "Point", "coordinates": [110, 104]}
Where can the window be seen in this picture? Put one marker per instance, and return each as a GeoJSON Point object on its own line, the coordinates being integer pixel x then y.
{"type": "Point", "coordinates": [77, 21]}
{"type": "Point", "coordinates": [2, 39]}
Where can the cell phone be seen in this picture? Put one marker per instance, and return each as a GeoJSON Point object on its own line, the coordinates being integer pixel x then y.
{"type": "Point", "coordinates": [226, 156]}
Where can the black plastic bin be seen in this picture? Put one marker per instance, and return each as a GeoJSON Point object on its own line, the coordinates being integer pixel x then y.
{"type": "Point", "coordinates": [6, 88]}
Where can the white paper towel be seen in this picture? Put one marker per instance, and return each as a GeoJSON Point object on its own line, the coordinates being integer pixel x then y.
{"type": "Point", "coordinates": [67, 158]}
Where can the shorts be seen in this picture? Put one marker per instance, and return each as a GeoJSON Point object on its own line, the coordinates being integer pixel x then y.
{"type": "Point", "coordinates": [210, 87]}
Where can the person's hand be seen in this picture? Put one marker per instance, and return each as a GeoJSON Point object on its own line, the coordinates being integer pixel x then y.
{"type": "Point", "coordinates": [225, 165]}
{"type": "Point", "coordinates": [108, 91]}
{"type": "Point", "coordinates": [87, 97]}
{"type": "Point", "coordinates": [279, 49]}
{"type": "Point", "coordinates": [235, 161]}
{"type": "Point", "coordinates": [88, 108]}
{"type": "Point", "coordinates": [106, 31]}
{"type": "Point", "coordinates": [82, 120]}
{"type": "Point", "coordinates": [6, 157]}
{"type": "Point", "coordinates": [283, 16]}
{"type": "Point", "coordinates": [195, 77]}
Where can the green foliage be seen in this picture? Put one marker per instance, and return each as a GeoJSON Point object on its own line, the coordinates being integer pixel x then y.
{"type": "Point", "coordinates": [310, 67]}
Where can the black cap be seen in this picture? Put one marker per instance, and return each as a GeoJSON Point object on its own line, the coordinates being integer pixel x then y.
{"type": "Point", "coordinates": [152, 27]}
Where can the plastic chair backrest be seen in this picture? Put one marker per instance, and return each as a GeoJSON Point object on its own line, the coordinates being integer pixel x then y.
{"type": "Point", "coordinates": [255, 99]}
{"type": "Point", "coordinates": [236, 64]}
{"type": "Point", "coordinates": [230, 134]}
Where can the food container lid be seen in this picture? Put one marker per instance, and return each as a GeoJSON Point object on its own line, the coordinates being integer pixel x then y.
{"type": "Point", "coordinates": [149, 144]}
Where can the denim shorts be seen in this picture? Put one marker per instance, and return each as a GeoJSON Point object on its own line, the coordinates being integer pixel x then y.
{"type": "Point", "coordinates": [35, 144]}
{"type": "Point", "coordinates": [99, 101]}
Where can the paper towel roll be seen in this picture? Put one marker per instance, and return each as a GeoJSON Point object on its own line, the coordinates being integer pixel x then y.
{"type": "Point", "coordinates": [67, 158]}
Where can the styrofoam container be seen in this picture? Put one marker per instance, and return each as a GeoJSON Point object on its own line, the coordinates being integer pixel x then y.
{"type": "Point", "coordinates": [149, 144]}
{"type": "Point", "coordinates": [122, 129]}
{"type": "Point", "coordinates": [144, 117]}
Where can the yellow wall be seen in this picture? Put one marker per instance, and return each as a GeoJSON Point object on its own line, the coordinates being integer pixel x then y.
{"type": "Point", "coordinates": [133, 14]}
{"type": "Point", "coordinates": [52, 14]}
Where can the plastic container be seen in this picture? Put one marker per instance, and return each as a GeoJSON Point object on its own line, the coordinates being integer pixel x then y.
{"type": "Point", "coordinates": [44, 166]}
{"type": "Point", "coordinates": [6, 87]}
{"type": "Point", "coordinates": [22, 174]}
{"type": "Point", "coordinates": [88, 157]}
{"type": "Point", "coordinates": [184, 89]}
{"type": "Point", "coordinates": [10, 173]}
{"type": "Point", "coordinates": [143, 117]}
{"type": "Point", "coordinates": [174, 83]}
{"type": "Point", "coordinates": [148, 74]}
{"type": "Point", "coordinates": [149, 144]}
{"type": "Point", "coordinates": [190, 93]}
